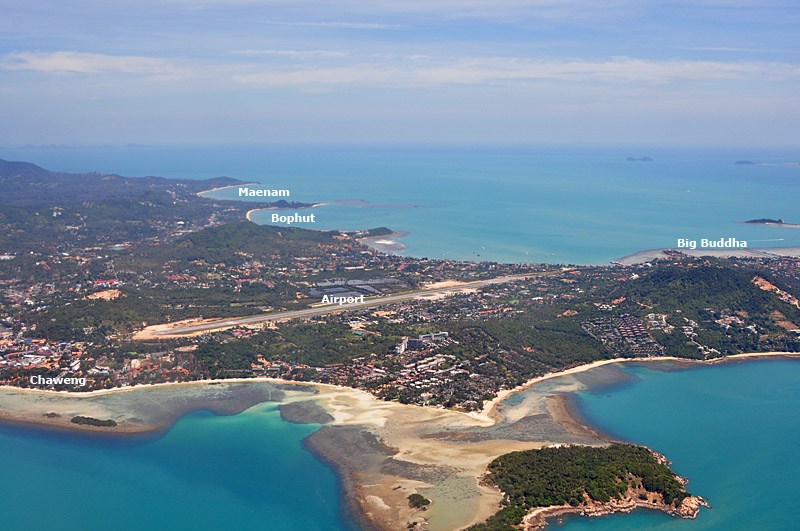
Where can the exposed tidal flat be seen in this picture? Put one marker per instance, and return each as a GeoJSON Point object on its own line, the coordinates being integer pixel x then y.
{"type": "Point", "coordinates": [384, 451]}
{"type": "Point", "coordinates": [230, 469]}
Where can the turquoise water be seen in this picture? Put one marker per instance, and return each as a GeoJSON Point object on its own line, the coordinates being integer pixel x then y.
{"type": "Point", "coordinates": [515, 204]}
{"type": "Point", "coordinates": [247, 471]}
{"type": "Point", "coordinates": [732, 429]}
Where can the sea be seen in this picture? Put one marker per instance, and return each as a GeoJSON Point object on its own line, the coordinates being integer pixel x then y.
{"type": "Point", "coordinates": [567, 205]}
{"type": "Point", "coordinates": [730, 428]}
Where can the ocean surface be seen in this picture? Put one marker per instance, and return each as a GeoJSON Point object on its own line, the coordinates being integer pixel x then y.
{"type": "Point", "coordinates": [580, 205]}
{"type": "Point", "coordinates": [732, 429]}
{"type": "Point", "coordinates": [246, 471]}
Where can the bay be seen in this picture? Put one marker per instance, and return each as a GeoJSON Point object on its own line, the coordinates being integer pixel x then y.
{"type": "Point", "coordinates": [245, 471]}
{"type": "Point", "coordinates": [557, 204]}
{"type": "Point", "coordinates": [730, 428]}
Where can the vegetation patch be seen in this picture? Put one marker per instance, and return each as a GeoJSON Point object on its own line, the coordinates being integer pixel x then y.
{"type": "Point", "coordinates": [576, 476]}
{"type": "Point", "coordinates": [89, 421]}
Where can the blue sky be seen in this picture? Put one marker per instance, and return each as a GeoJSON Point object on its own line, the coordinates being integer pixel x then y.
{"type": "Point", "coordinates": [710, 72]}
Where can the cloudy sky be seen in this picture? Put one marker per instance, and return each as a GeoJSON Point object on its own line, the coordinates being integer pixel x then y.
{"type": "Point", "coordinates": [713, 72]}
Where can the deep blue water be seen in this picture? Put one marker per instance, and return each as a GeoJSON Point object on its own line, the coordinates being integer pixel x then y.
{"type": "Point", "coordinates": [732, 429]}
{"type": "Point", "coordinates": [516, 204]}
{"type": "Point", "coordinates": [247, 471]}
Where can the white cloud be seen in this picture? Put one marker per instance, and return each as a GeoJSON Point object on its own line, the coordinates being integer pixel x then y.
{"type": "Point", "coordinates": [292, 53]}
{"type": "Point", "coordinates": [507, 70]}
{"type": "Point", "coordinates": [320, 69]}
{"type": "Point", "coordinates": [732, 49]}
{"type": "Point", "coordinates": [337, 24]}
{"type": "Point", "coordinates": [89, 63]}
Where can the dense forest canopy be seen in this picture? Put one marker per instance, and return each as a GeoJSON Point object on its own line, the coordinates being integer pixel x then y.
{"type": "Point", "coordinates": [572, 475]}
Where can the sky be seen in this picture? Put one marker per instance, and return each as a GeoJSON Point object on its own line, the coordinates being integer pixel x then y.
{"type": "Point", "coordinates": [683, 72]}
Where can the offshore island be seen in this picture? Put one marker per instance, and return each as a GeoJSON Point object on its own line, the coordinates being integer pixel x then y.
{"type": "Point", "coordinates": [773, 223]}
{"type": "Point", "coordinates": [114, 294]}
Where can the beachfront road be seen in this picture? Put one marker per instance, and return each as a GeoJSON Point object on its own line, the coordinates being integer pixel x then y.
{"type": "Point", "coordinates": [329, 308]}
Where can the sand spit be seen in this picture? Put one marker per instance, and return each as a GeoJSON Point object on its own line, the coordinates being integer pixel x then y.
{"type": "Point", "coordinates": [201, 194]}
{"type": "Point", "coordinates": [385, 451]}
{"type": "Point", "coordinates": [649, 255]}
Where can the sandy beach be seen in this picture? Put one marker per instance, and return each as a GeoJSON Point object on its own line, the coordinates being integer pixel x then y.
{"type": "Point", "coordinates": [649, 255]}
{"type": "Point", "coordinates": [386, 243]}
{"type": "Point", "coordinates": [200, 194]}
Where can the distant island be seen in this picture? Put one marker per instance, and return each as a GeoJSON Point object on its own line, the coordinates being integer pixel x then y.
{"type": "Point", "coordinates": [641, 159]}
{"type": "Point", "coordinates": [751, 163]}
{"type": "Point", "coordinates": [773, 222]}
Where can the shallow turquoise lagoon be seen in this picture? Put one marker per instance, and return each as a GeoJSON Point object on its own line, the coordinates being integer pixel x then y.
{"type": "Point", "coordinates": [247, 471]}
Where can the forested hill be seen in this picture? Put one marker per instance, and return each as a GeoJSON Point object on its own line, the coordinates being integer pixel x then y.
{"type": "Point", "coordinates": [578, 476]}
{"type": "Point", "coordinates": [26, 184]}
{"type": "Point", "coordinates": [234, 243]}
{"type": "Point", "coordinates": [693, 289]}
{"type": "Point", "coordinates": [44, 211]}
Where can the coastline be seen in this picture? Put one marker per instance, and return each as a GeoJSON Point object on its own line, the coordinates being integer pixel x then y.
{"type": "Point", "coordinates": [386, 243]}
{"type": "Point", "coordinates": [487, 417]}
{"type": "Point", "coordinates": [384, 451]}
{"type": "Point", "coordinates": [557, 407]}
{"type": "Point", "coordinates": [139, 387]}
{"type": "Point", "coordinates": [250, 212]}
{"type": "Point", "coordinates": [648, 255]}
{"type": "Point", "coordinates": [200, 194]}
{"type": "Point", "coordinates": [537, 518]}
{"type": "Point", "coordinates": [489, 414]}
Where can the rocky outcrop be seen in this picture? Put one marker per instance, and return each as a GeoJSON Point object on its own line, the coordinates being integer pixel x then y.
{"type": "Point", "coordinates": [688, 508]}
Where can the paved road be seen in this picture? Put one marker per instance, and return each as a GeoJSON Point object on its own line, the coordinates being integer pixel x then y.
{"type": "Point", "coordinates": [320, 310]}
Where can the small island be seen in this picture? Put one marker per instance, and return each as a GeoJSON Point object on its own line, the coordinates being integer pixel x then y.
{"type": "Point", "coordinates": [773, 222]}
{"type": "Point", "coordinates": [640, 159]}
{"type": "Point", "coordinates": [418, 501]}
{"type": "Point", "coordinates": [584, 480]}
